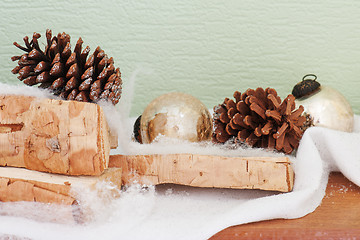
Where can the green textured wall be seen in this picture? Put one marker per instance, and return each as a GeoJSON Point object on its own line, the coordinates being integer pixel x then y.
{"type": "Point", "coordinates": [205, 48]}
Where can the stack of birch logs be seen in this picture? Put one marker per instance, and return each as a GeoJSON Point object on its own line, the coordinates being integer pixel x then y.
{"type": "Point", "coordinates": [48, 147]}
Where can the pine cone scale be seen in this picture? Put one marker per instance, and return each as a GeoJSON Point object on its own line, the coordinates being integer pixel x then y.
{"type": "Point", "coordinates": [224, 117]}
{"type": "Point", "coordinates": [233, 125]}
{"type": "Point", "coordinates": [54, 47]}
{"type": "Point", "coordinates": [273, 101]}
{"type": "Point", "coordinates": [71, 84]}
{"type": "Point", "coordinates": [25, 71]}
{"type": "Point", "coordinates": [84, 54]}
{"type": "Point", "coordinates": [88, 73]}
{"type": "Point", "coordinates": [58, 83]}
{"type": "Point", "coordinates": [230, 130]}
{"type": "Point", "coordinates": [43, 77]}
{"type": "Point", "coordinates": [66, 52]}
{"type": "Point", "coordinates": [239, 121]}
{"type": "Point", "coordinates": [287, 148]}
{"type": "Point", "coordinates": [36, 55]}
{"type": "Point", "coordinates": [73, 94]}
{"type": "Point", "coordinates": [78, 47]}
{"type": "Point", "coordinates": [242, 108]}
{"type": "Point", "coordinates": [293, 140]}
{"type": "Point", "coordinates": [21, 47]}
{"type": "Point", "coordinates": [90, 61]}
{"type": "Point", "coordinates": [237, 96]}
{"type": "Point", "coordinates": [16, 70]}
{"type": "Point", "coordinates": [41, 66]}
{"type": "Point", "coordinates": [102, 63]}
{"type": "Point", "coordinates": [257, 101]}
{"type": "Point", "coordinates": [243, 135]}
{"type": "Point", "coordinates": [86, 84]}
{"type": "Point", "coordinates": [258, 131]}
{"type": "Point", "coordinates": [267, 127]}
{"type": "Point", "coordinates": [281, 130]}
{"type": "Point", "coordinates": [57, 69]}
{"type": "Point", "coordinates": [30, 81]}
{"type": "Point", "coordinates": [296, 114]}
{"type": "Point", "coordinates": [252, 139]}
{"type": "Point", "coordinates": [259, 110]}
{"type": "Point", "coordinates": [112, 78]}
{"type": "Point", "coordinates": [73, 71]}
{"type": "Point", "coordinates": [298, 132]}
{"type": "Point", "coordinates": [71, 60]}
{"type": "Point", "coordinates": [249, 122]}
{"type": "Point", "coordinates": [274, 115]}
{"type": "Point", "coordinates": [82, 96]}
{"type": "Point", "coordinates": [222, 137]}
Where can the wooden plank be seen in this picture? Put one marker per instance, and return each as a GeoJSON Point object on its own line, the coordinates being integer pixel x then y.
{"type": "Point", "coordinates": [56, 136]}
{"type": "Point", "coordinates": [338, 217]}
{"type": "Point", "coordinates": [266, 173]}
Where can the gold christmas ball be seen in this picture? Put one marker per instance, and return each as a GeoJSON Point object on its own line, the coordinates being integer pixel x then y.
{"type": "Point", "coordinates": [328, 108]}
{"type": "Point", "coordinates": [176, 115]}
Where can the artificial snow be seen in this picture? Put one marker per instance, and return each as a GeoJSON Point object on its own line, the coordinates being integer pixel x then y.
{"type": "Point", "coordinates": [180, 212]}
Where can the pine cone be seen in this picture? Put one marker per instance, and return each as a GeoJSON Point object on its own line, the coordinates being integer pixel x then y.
{"type": "Point", "coordinates": [259, 119]}
{"type": "Point", "coordinates": [71, 75]}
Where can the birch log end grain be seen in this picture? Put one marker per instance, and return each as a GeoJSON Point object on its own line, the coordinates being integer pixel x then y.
{"type": "Point", "coordinates": [55, 136]}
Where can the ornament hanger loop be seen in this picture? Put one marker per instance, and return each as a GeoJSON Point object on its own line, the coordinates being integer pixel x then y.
{"type": "Point", "coordinates": [310, 75]}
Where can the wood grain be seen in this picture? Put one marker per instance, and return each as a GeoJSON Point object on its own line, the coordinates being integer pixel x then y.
{"type": "Point", "coordinates": [338, 217]}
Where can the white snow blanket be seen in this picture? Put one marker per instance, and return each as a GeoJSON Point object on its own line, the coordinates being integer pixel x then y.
{"type": "Point", "coordinates": [179, 212]}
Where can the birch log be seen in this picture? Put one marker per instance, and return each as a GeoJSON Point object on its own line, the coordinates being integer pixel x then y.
{"type": "Point", "coordinates": [19, 184]}
{"type": "Point", "coordinates": [55, 136]}
{"type": "Point", "coordinates": [266, 173]}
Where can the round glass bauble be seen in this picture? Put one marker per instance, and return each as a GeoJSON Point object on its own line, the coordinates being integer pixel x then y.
{"type": "Point", "coordinates": [176, 115]}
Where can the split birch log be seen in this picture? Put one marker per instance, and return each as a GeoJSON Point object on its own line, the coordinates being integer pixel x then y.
{"type": "Point", "coordinates": [265, 173]}
{"type": "Point", "coordinates": [19, 184]}
{"type": "Point", "coordinates": [55, 136]}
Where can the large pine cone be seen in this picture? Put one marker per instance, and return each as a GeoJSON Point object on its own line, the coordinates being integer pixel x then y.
{"type": "Point", "coordinates": [71, 75]}
{"type": "Point", "coordinates": [259, 119]}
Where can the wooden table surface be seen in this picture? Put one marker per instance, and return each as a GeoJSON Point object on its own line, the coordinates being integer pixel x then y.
{"type": "Point", "coordinates": [338, 217]}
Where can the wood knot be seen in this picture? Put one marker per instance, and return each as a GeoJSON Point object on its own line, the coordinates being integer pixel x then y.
{"type": "Point", "coordinates": [53, 144]}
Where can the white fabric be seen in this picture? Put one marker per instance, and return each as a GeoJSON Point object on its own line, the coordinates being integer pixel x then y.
{"type": "Point", "coordinates": [179, 212]}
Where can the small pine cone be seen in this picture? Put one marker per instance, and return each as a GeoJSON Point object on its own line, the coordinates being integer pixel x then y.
{"type": "Point", "coordinates": [71, 75]}
{"type": "Point", "coordinates": [259, 119]}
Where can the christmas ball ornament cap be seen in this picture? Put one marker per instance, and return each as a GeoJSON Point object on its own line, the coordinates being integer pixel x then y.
{"type": "Point", "coordinates": [136, 130]}
{"type": "Point", "coordinates": [176, 115]}
{"type": "Point", "coordinates": [306, 87]}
